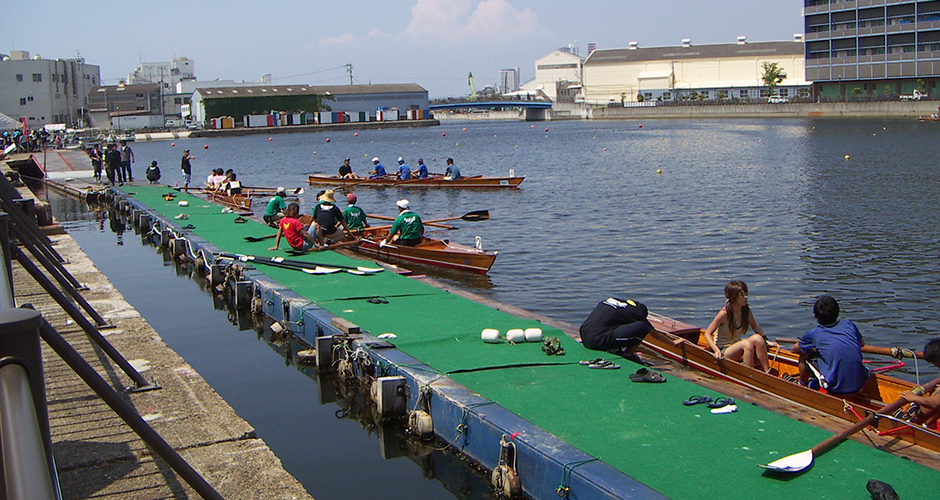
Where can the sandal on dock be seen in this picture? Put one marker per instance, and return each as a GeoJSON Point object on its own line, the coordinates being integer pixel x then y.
{"type": "Point", "coordinates": [647, 375]}
{"type": "Point", "coordinates": [697, 400]}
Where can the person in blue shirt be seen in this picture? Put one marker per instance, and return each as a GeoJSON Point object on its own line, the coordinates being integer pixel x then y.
{"type": "Point", "coordinates": [404, 171]}
{"type": "Point", "coordinates": [422, 169]}
{"type": "Point", "coordinates": [834, 348]}
{"type": "Point", "coordinates": [452, 171]}
{"type": "Point", "coordinates": [379, 172]}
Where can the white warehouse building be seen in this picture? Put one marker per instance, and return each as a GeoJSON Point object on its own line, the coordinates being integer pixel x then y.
{"type": "Point", "coordinates": [719, 71]}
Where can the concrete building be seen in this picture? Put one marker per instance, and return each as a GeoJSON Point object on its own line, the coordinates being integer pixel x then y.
{"type": "Point", "coordinates": [508, 80]}
{"type": "Point", "coordinates": [562, 66]}
{"type": "Point", "coordinates": [126, 107]}
{"type": "Point", "coordinates": [240, 101]}
{"type": "Point", "coordinates": [720, 71]}
{"type": "Point", "coordinates": [170, 76]}
{"type": "Point", "coordinates": [46, 90]}
{"type": "Point", "coordinates": [872, 48]}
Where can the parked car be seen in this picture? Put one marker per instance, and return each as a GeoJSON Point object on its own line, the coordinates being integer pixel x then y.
{"type": "Point", "coordinates": [915, 96]}
{"type": "Point", "coordinates": [777, 99]}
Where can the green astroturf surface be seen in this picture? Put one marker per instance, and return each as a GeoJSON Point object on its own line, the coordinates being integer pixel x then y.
{"type": "Point", "coordinates": [641, 429]}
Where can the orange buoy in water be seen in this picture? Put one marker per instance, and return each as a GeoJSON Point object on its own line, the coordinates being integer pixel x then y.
{"type": "Point", "coordinates": [546, 130]}
{"type": "Point", "coordinates": [270, 138]}
{"type": "Point", "coordinates": [443, 134]}
{"type": "Point", "coordinates": [205, 147]}
{"type": "Point", "coordinates": [356, 134]}
{"type": "Point", "coordinates": [172, 144]}
{"type": "Point", "coordinates": [465, 129]}
{"type": "Point", "coordinates": [605, 149]}
{"type": "Point", "coordinates": [327, 139]}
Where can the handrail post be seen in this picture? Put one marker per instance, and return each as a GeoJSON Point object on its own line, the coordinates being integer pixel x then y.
{"type": "Point", "coordinates": [6, 274]}
{"type": "Point", "coordinates": [26, 451]}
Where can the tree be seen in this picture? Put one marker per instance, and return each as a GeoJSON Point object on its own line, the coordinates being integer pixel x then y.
{"type": "Point", "coordinates": [773, 75]}
{"type": "Point", "coordinates": [639, 97]}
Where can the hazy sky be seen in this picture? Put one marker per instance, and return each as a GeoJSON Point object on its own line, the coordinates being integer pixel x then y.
{"type": "Point", "coordinates": [433, 43]}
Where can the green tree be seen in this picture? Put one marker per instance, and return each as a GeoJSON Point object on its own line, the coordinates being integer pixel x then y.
{"type": "Point", "coordinates": [773, 75]}
{"type": "Point", "coordinates": [639, 97]}
{"type": "Point", "coordinates": [856, 92]}
{"type": "Point", "coordinates": [921, 85]}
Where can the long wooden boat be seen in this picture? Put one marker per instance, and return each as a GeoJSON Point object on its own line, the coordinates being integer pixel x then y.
{"type": "Point", "coordinates": [267, 192]}
{"type": "Point", "coordinates": [931, 118]}
{"type": "Point", "coordinates": [879, 391]}
{"type": "Point", "coordinates": [478, 181]}
{"type": "Point", "coordinates": [238, 202]}
{"type": "Point", "coordinates": [431, 252]}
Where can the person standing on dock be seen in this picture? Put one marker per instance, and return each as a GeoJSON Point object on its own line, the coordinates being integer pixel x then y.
{"type": "Point", "coordinates": [187, 169]}
{"type": "Point", "coordinates": [276, 208]}
{"type": "Point", "coordinates": [127, 158]}
{"type": "Point", "coordinates": [835, 350]}
{"type": "Point", "coordinates": [619, 326]}
{"type": "Point", "coordinates": [407, 230]}
{"type": "Point", "coordinates": [113, 164]}
{"type": "Point", "coordinates": [96, 161]}
{"type": "Point", "coordinates": [404, 171]}
{"type": "Point", "coordinates": [452, 172]}
{"type": "Point", "coordinates": [422, 169]}
{"type": "Point", "coordinates": [355, 216]}
{"type": "Point", "coordinates": [379, 172]}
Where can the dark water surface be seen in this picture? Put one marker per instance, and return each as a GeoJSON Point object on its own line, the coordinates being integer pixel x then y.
{"type": "Point", "coordinates": [772, 202]}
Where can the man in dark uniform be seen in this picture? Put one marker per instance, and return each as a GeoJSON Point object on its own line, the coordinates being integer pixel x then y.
{"type": "Point", "coordinates": [619, 326]}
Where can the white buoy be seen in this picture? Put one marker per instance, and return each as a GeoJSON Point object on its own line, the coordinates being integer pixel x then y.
{"type": "Point", "coordinates": [533, 334]}
{"type": "Point", "coordinates": [516, 335]}
{"type": "Point", "coordinates": [490, 336]}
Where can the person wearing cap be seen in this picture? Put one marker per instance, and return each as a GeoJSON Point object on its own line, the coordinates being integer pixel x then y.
{"type": "Point", "coordinates": [187, 169]}
{"type": "Point", "coordinates": [345, 171]}
{"type": "Point", "coordinates": [293, 231]}
{"type": "Point", "coordinates": [422, 169]}
{"type": "Point", "coordinates": [404, 171]}
{"type": "Point", "coordinates": [452, 172]}
{"type": "Point", "coordinates": [153, 172]}
{"type": "Point", "coordinates": [326, 215]}
{"type": "Point", "coordinates": [355, 216]}
{"type": "Point", "coordinates": [276, 208]}
{"type": "Point", "coordinates": [407, 229]}
{"type": "Point", "coordinates": [379, 172]}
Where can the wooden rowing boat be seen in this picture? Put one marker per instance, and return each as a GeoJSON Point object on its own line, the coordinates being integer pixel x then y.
{"type": "Point", "coordinates": [929, 118]}
{"type": "Point", "coordinates": [267, 192]}
{"type": "Point", "coordinates": [431, 252]}
{"type": "Point", "coordinates": [238, 202]}
{"type": "Point", "coordinates": [478, 181]}
{"type": "Point", "coordinates": [879, 391]}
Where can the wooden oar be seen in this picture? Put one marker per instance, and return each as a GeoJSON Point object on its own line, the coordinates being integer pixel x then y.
{"type": "Point", "coordinates": [432, 222]}
{"type": "Point", "coordinates": [281, 262]}
{"type": "Point", "coordinates": [800, 461]}
{"type": "Point", "coordinates": [474, 216]}
{"type": "Point", "coordinates": [894, 352]}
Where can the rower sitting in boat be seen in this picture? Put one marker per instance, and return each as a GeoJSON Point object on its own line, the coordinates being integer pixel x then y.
{"type": "Point", "coordinates": [619, 326]}
{"type": "Point", "coordinates": [407, 230]}
{"type": "Point", "coordinates": [835, 350]}
{"type": "Point", "coordinates": [452, 171]}
{"type": "Point", "coordinates": [293, 231]}
{"type": "Point", "coordinates": [379, 172]}
{"type": "Point", "coordinates": [422, 169]}
{"type": "Point", "coordinates": [345, 171]}
{"type": "Point", "coordinates": [928, 405]}
{"type": "Point", "coordinates": [276, 208]}
{"type": "Point", "coordinates": [725, 334]}
{"type": "Point", "coordinates": [355, 216]}
{"type": "Point", "coordinates": [326, 215]}
{"type": "Point", "coordinates": [233, 186]}
{"type": "Point", "coordinates": [404, 171]}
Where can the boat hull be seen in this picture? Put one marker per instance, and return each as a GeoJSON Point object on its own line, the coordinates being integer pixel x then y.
{"type": "Point", "coordinates": [431, 252]}
{"type": "Point", "coordinates": [878, 391]}
{"type": "Point", "coordinates": [434, 182]}
{"type": "Point", "coordinates": [237, 202]}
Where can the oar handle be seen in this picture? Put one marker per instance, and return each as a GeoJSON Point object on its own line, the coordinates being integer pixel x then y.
{"type": "Point", "coordinates": [894, 352]}
{"type": "Point", "coordinates": [865, 422]}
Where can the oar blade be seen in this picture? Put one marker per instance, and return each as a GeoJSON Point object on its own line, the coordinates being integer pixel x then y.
{"type": "Point", "coordinates": [477, 215]}
{"type": "Point", "coordinates": [369, 270]}
{"type": "Point", "coordinates": [793, 463]}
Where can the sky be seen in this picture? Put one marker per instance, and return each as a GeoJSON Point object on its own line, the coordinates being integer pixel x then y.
{"type": "Point", "coordinates": [434, 43]}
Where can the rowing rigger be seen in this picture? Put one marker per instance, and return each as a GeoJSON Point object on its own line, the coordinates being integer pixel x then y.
{"type": "Point", "coordinates": [299, 265]}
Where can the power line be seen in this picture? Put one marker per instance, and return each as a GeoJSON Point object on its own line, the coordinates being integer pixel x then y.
{"type": "Point", "coordinates": [313, 72]}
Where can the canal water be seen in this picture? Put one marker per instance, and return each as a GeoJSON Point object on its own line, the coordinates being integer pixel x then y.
{"type": "Point", "coordinates": [664, 212]}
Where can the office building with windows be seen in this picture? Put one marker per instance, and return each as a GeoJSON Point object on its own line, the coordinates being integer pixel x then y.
{"type": "Point", "coordinates": [44, 91]}
{"type": "Point", "coordinates": [872, 48]}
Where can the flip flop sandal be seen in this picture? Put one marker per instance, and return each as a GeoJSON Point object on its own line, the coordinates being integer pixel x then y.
{"type": "Point", "coordinates": [697, 400]}
{"type": "Point", "coordinates": [377, 300]}
{"type": "Point", "coordinates": [725, 409]}
{"type": "Point", "coordinates": [646, 375]}
{"type": "Point", "coordinates": [240, 220]}
{"type": "Point", "coordinates": [552, 347]}
{"type": "Point", "coordinates": [604, 365]}
{"type": "Point", "coordinates": [189, 226]}
{"type": "Point", "coordinates": [720, 402]}
{"type": "Point", "coordinates": [591, 362]}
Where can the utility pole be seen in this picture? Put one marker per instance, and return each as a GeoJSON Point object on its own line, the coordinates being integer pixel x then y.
{"type": "Point", "coordinates": [349, 68]}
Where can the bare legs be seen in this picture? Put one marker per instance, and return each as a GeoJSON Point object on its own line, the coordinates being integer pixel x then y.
{"type": "Point", "coordinates": [748, 350]}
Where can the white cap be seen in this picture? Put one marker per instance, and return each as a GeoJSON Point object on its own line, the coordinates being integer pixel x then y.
{"type": "Point", "coordinates": [403, 204]}
{"type": "Point", "coordinates": [375, 159]}
{"type": "Point", "coordinates": [281, 189]}
{"type": "Point", "coordinates": [400, 159]}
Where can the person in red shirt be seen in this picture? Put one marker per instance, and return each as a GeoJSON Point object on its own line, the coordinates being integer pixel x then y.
{"type": "Point", "coordinates": [293, 231]}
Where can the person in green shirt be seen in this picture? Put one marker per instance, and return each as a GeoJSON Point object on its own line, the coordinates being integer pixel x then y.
{"type": "Point", "coordinates": [407, 229]}
{"type": "Point", "coordinates": [355, 216]}
{"type": "Point", "coordinates": [276, 208]}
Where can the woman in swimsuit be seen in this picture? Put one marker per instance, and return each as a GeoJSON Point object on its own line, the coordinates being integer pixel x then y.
{"type": "Point", "coordinates": [725, 334]}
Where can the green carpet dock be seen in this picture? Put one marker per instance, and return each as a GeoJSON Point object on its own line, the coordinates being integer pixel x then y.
{"type": "Point", "coordinates": [591, 431]}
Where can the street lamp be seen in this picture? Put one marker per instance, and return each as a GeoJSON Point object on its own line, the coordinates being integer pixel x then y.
{"type": "Point", "coordinates": [118, 109]}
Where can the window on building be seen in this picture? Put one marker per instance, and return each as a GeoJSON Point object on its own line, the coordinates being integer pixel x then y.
{"type": "Point", "coordinates": [22, 101]}
{"type": "Point", "coordinates": [706, 94]}
{"type": "Point", "coordinates": [764, 92]}
{"type": "Point", "coordinates": [30, 98]}
{"type": "Point", "coordinates": [804, 93]}
{"type": "Point", "coordinates": [55, 77]}
{"type": "Point", "coordinates": [667, 96]}
{"type": "Point", "coordinates": [647, 95]}
{"type": "Point", "coordinates": [37, 77]}
{"type": "Point", "coordinates": [177, 100]}
{"type": "Point", "coordinates": [783, 92]}
{"type": "Point", "coordinates": [140, 96]}
{"type": "Point", "coordinates": [743, 94]}
{"type": "Point", "coordinates": [141, 107]}
{"type": "Point", "coordinates": [19, 77]}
